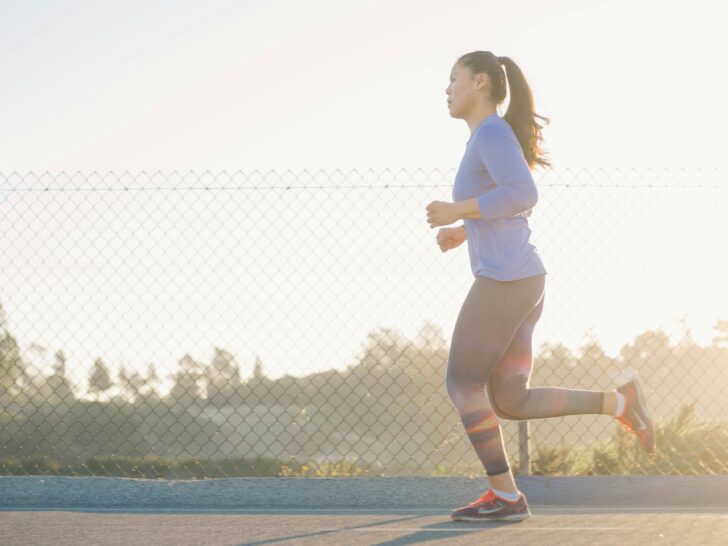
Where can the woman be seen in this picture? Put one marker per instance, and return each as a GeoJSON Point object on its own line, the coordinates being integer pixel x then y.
{"type": "Point", "coordinates": [494, 194]}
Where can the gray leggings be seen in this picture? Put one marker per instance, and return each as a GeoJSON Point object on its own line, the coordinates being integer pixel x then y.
{"type": "Point", "coordinates": [491, 348]}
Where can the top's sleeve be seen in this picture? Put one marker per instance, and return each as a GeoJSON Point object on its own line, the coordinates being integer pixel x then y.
{"type": "Point", "coordinates": [515, 190]}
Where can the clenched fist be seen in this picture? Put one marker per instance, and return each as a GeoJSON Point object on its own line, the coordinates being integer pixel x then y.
{"type": "Point", "coordinates": [449, 238]}
{"type": "Point", "coordinates": [442, 213]}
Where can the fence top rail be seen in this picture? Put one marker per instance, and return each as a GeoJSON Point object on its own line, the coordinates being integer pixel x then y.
{"type": "Point", "coordinates": [581, 177]}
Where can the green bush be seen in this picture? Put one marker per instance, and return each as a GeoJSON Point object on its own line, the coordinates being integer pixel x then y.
{"type": "Point", "coordinates": [684, 446]}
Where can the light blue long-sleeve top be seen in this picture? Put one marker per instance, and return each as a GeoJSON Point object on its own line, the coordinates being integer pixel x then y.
{"type": "Point", "coordinates": [495, 172]}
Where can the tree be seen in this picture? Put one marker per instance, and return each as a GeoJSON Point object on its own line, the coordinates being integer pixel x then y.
{"type": "Point", "coordinates": [223, 378]}
{"type": "Point", "coordinates": [651, 344]}
{"type": "Point", "coordinates": [187, 388]}
{"type": "Point", "coordinates": [131, 383]}
{"type": "Point", "coordinates": [430, 338]}
{"type": "Point", "coordinates": [152, 378]}
{"type": "Point", "coordinates": [11, 363]}
{"type": "Point", "coordinates": [721, 339]}
{"type": "Point", "coordinates": [99, 380]}
{"type": "Point", "coordinates": [258, 369]}
{"type": "Point", "coordinates": [58, 383]}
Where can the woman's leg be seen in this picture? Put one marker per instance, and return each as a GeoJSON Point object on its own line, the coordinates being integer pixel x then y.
{"type": "Point", "coordinates": [508, 383]}
{"type": "Point", "coordinates": [488, 321]}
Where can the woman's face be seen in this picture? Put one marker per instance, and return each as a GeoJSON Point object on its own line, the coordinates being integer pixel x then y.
{"type": "Point", "coordinates": [464, 91]}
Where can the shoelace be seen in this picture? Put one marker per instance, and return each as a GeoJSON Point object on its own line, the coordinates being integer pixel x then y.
{"type": "Point", "coordinates": [486, 497]}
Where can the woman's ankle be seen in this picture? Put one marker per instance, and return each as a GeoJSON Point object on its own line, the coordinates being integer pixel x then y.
{"type": "Point", "coordinates": [503, 482]}
{"type": "Point", "coordinates": [609, 403]}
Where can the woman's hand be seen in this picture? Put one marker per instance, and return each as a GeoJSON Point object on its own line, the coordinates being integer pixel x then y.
{"type": "Point", "coordinates": [449, 238]}
{"type": "Point", "coordinates": [440, 213]}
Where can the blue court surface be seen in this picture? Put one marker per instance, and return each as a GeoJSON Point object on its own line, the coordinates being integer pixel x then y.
{"type": "Point", "coordinates": [234, 511]}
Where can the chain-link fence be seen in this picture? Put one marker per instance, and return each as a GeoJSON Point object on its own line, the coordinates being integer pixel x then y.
{"type": "Point", "coordinates": [257, 324]}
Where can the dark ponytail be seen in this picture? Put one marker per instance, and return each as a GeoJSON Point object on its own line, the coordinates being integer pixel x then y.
{"type": "Point", "coordinates": [520, 115]}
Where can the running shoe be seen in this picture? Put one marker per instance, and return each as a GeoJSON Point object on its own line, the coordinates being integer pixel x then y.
{"type": "Point", "coordinates": [634, 418]}
{"type": "Point", "coordinates": [490, 506]}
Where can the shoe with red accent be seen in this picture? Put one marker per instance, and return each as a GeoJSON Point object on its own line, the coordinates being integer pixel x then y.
{"type": "Point", "coordinates": [634, 418]}
{"type": "Point", "coordinates": [490, 506]}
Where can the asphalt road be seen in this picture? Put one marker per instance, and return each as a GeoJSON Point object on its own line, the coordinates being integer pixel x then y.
{"type": "Point", "coordinates": [619, 510]}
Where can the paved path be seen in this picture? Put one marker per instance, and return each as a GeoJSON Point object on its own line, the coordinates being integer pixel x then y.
{"type": "Point", "coordinates": [619, 510]}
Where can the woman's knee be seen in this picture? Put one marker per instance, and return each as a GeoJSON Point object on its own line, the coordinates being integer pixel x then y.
{"type": "Point", "coordinates": [458, 389]}
{"type": "Point", "coordinates": [509, 395]}
{"type": "Point", "coordinates": [466, 394]}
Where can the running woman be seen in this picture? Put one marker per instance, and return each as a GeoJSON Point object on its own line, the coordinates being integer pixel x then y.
{"type": "Point", "coordinates": [494, 194]}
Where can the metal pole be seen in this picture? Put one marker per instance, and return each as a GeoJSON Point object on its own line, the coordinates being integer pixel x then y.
{"type": "Point", "coordinates": [524, 459]}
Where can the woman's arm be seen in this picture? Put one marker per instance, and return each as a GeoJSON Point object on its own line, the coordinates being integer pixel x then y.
{"type": "Point", "coordinates": [515, 191]}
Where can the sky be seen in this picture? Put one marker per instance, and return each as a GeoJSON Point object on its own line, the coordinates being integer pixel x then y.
{"type": "Point", "coordinates": [183, 85]}
{"type": "Point", "coordinates": [192, 90]}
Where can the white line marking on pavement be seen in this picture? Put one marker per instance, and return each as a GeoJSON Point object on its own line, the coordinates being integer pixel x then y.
{"type": "Point", "coordinates": [487, 528]}
{"type": "Point", "coordinates": [721, 511]}
{"type": "Point", "coordinates": [624, 507]}
{"type": "Point", "coordinates": [708, 516]}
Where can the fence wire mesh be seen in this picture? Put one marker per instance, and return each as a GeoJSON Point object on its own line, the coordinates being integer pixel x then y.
{"type": "Point", "coordinates": [250, 324]}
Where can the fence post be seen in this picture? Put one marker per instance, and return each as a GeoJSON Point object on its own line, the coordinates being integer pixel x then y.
{"type": "Point", "coordinates": [524, 459]}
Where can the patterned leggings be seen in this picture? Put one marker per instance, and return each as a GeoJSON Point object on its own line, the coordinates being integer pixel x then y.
{"type": "Point", "coordinates": [491, 347]}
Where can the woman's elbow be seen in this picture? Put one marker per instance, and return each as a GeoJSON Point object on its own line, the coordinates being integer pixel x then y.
{"type": "Point", "coordinates": [530, 198]}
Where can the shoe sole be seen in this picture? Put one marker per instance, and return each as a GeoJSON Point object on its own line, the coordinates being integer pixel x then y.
{"type": "Point", "coordinates": [510, 517]}
{"type": "Point", "coordinates": [643, 413]}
